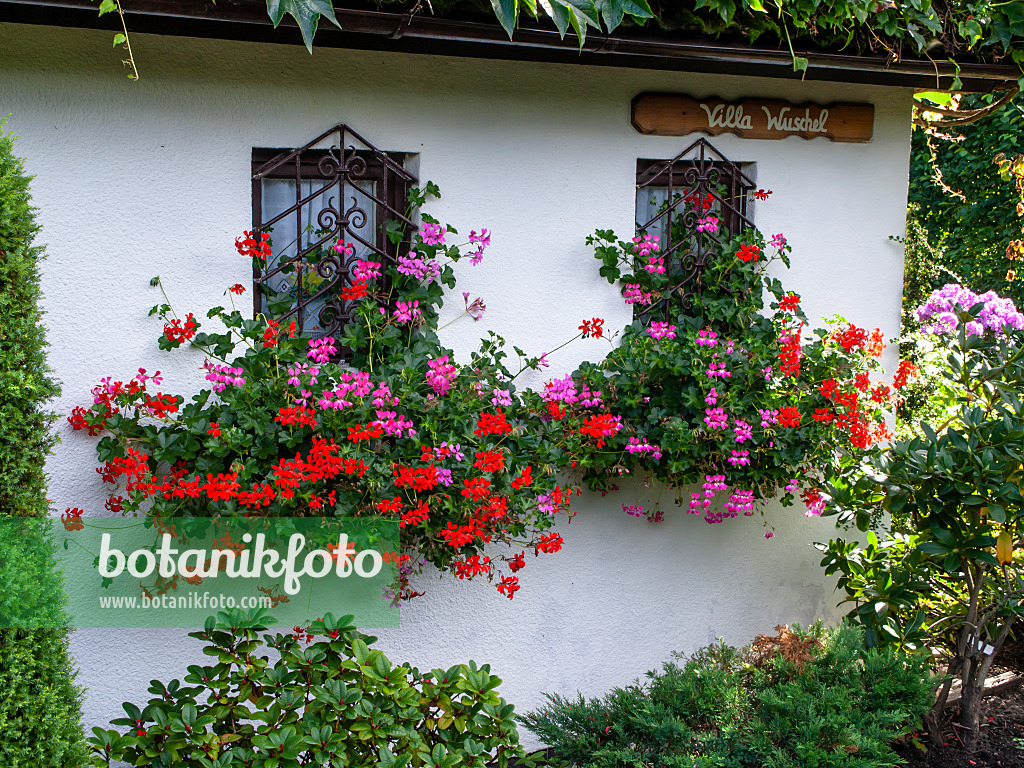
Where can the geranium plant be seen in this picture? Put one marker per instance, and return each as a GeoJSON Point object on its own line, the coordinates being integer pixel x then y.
{"type": "Point", "coordinates": [395, 429]}
{"type": "Point", "coordinates": [711, 388]}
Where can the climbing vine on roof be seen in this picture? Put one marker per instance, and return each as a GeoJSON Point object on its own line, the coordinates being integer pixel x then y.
{"type": "Point", "coordinates": [956, 30]}
{"type": "Point", "coordinates": [961, 30]}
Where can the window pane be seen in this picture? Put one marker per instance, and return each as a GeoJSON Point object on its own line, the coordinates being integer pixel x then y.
{"type": "Point", "coordinates": [318, 219]}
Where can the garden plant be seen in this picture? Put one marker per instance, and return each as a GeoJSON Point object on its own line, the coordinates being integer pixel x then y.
{"type": "Point", "coordinates": [714, 384]}
{"type": "Point", "coordinates": [801, 698]}
{"type": "Point", "coordinates": [943, 575]}
{"type": "Point", "coordinates": [717, 390]}
{"type": "Point", "coordinates": [941, 506]}
{"type": "Point", "coordinates": [39, 700]}
{"type": "Point", "coordinates": [328, 701]}
{"type": "Point", "coordinates": [383, 422]}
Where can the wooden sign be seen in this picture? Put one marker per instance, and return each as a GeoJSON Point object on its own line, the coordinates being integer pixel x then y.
{"type": "Point", "coordinates": [675, 114]}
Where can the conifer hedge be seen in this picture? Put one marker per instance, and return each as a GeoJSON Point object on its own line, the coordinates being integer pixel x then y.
{"type": "Point", "coordinates": [40, 705]}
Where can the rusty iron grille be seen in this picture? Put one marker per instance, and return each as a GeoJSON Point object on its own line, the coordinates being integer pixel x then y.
{"type": "Point", "coordinates": [672, 198]}
{"type": "Point", "coordinates": [336, 187]}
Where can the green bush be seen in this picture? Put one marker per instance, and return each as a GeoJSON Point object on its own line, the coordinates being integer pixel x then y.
{"type": "Point", "coordinates": [32, 595]}
{"type": "Point", "coordinates": [331, 702]}
{"type": "Point", "coordinates": [802, 699]}
{"type": "Point", "coordinates": [967, 210]}
{"type": "Point", "coordinates": [25, 437]}
{"type": "Point", "coordinates": [39, 702]}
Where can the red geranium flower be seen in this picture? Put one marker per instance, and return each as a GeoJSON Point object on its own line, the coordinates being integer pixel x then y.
{"type": "Point", "coordinates": [906, 371]}
{"type": "Point", "coordinates": [789, 416]}
{"type": "Point", "coordinates": [509, 586]}
{"type": "Point", "coordinates": [353, 292]}
{"type": "Point", "coordinates": [72, 519]}
{"type": "Point", "coordinates": [593, 327]}
{"type": "Point", "coordinates": [789, 303]}
{"type": "Point", "coordinates": [748, 253]}
{"type": "Point", "coordinates": [176, 331]}
{"type": "Point", "coordinates": [550, 543]}
{"type": "Point", "coordinates": [270, 334]}
{"type": "Point", "coordinates": [249, 246]}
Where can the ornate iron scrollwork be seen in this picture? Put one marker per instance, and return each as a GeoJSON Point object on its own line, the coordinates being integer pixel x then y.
{"type": "Point", "coordinates": [697, 183]}
{"type": "Point", "coordinates": [344, 189]}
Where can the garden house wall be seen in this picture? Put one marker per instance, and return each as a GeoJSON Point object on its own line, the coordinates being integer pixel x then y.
{"type": "Point", "coordinates": [134, 180]}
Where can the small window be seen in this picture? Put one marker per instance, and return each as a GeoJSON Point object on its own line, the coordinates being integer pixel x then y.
{"type": "Point", "coordinates": [308, 199]}
{"type": "Point", "coordinates": [691, 203]}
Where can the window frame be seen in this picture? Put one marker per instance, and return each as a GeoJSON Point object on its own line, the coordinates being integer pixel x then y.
{"type": "Point", "coordinates": [344, 161]}
{"type": "Point", "coordinates": [699, 169]}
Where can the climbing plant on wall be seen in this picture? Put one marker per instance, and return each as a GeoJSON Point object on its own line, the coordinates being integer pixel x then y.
{"type": "Point", "coordinates": [968, 213]}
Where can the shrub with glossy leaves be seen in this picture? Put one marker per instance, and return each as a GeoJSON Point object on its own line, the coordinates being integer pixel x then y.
{"type": "Point", "coordinates": [949, 577]}
{"type": "Point", "coordinates": [327, 698]}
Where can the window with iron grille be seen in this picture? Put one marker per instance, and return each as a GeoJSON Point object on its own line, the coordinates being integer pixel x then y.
{"type": "Point", "coordinates": [338, 187]}
{"type": "Point", "coordinates": [692, 204]}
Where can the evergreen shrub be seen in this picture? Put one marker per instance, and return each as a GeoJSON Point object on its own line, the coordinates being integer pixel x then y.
{"type": "Point", "coordinates": [40, 705]}
{"type": "Point", "coordinates": [810, 698]}
{"type": "Point", "coordinates": [322, 697]}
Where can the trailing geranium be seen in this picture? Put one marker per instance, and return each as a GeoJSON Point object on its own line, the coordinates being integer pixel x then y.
{"type": "Point", "coordinates": [709, 389]}
{"type": "Point", "coordinates": [287, 426]}
{"type": "Point", "coordinates": [706, 390]}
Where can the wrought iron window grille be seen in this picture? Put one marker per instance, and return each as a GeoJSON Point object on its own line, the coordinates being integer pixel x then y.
{"type": "Point", "coordinates": [336, 187]}
{"type": "Point", "coordinates": [675, 199]}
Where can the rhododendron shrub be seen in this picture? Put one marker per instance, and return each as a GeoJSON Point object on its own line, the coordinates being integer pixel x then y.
{"type": "Point", "coordinates": [717, 388]}
{"type": "Point", "coordinates": [397, 429]}
{"type": "Point", "coordinates": [325, 698]}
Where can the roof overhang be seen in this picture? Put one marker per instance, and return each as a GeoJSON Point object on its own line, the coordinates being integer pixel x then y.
{"type": "Point", "coordinates": [247, 20]}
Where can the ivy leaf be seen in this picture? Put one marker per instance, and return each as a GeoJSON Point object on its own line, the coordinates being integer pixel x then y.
{"type": "Point", "coordinates": [1014, 17]}
{"type": "Point", "coordinates": [306, 13]}
{"type": "Point", "coordinates": [800, 64]}
{"type": "Point", "coordinates": [612, 11]}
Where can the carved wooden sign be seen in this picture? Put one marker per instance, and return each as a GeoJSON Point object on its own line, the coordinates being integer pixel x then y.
{"type": "Point", "coordinates": [675, 114]}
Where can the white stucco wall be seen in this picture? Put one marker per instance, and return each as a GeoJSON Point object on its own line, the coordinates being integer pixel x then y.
{"type": "Point", "coordinates": [139, 179]}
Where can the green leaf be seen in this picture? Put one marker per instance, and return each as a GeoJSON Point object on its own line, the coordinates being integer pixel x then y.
{"type": "Point", "coordinates": [306, 13]}
{"type": "Point", "coordinates": [120, 39]}
{"type": "Point", "coordinates": [507, 12]}
{"type": "Point", "coordinates": [558, 13]}
{"type": "Point", "coordinates": [939, 98]}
